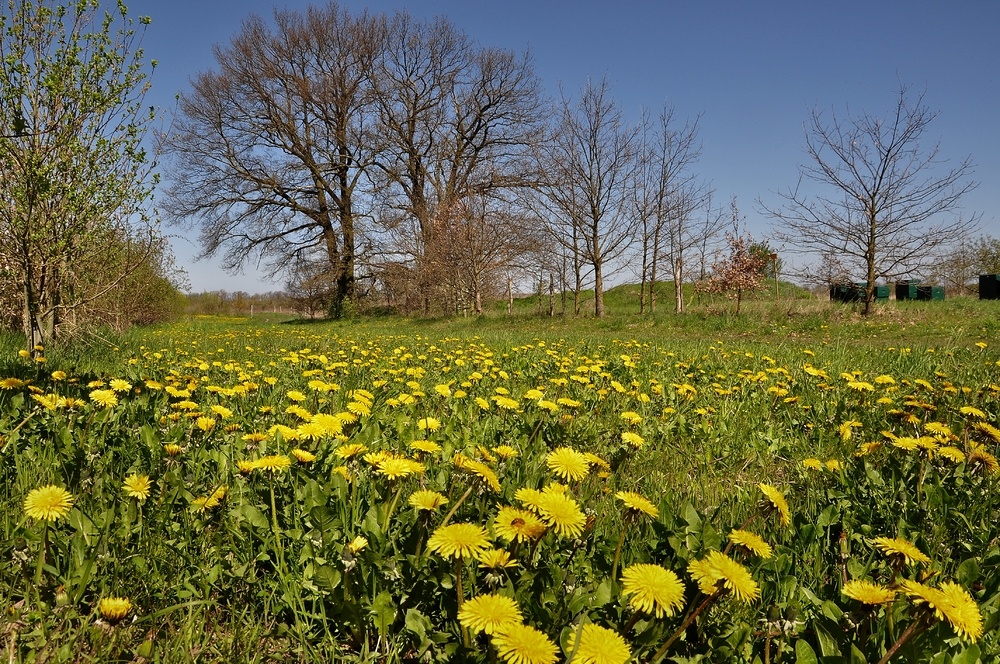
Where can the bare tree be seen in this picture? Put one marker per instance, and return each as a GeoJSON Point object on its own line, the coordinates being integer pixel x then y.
{"type": "Point", "coordinates": [588, 168]}
{"type": "Point", "coordinates": [892, 203]}
{"type": "Point", "coordinates": [456, 121]}
{"type": "Point", "coordinates": [272, 147]}
{"type": "Point", "coordinates": [667, 197]}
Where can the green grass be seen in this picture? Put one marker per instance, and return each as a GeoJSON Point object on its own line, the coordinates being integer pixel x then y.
{"type": "Point", "coordinates": [725, 402]}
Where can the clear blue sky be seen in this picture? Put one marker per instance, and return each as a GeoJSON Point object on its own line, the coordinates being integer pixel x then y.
{"type": "Point", "coordinates": [752, 69]}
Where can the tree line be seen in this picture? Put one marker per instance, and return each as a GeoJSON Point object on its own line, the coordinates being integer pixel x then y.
{"type": "Point", "coordinates": [375, 158]}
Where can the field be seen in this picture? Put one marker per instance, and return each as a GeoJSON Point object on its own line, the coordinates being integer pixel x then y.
{"type": "Point", "coordinates": [796, 484]}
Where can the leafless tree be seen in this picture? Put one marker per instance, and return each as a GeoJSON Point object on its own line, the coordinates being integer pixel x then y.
{"type": "Point", "coordinates": [586, 186]}
{"type": "Point", "coordinates": [892, 201]}
{"type": "Point", "coordinates": [272, 147]}
{"type": "Point", "coordinates": [311, 287]}
{"type": "Point", "coordinates": [960, 264]}
{"type": "Point", "coordinates": [455, 121]}
{"type": "Point", "coordinates": [667, 198]}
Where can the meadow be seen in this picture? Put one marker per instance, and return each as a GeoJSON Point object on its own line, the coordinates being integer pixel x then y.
{"type": "Point", "coordinates": [796, 484]}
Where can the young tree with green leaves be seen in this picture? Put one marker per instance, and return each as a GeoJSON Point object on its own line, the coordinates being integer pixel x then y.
{"type": "Point", "coordinates": [75, 178]}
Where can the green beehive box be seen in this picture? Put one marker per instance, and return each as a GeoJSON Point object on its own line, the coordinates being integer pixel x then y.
{"type": "Point", "coordinates": [881, 293]}
{"type": "Point", "coordinates": [930, 292]}
{"type": "Point", "coordinates": [907, 290]}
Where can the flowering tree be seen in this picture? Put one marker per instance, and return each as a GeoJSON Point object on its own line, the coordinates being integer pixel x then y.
{"type": "Point", "coordinates": [742, 269]}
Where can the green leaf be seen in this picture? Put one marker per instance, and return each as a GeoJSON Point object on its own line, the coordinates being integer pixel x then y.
{"type": "Point", "coordinates": [418, 624]}
{"type": "Point", "coordinates": [327, 577]}
{"type": "Point", "coordinates": [691, 516]}
{"type": "Point", "coordinates": [971, 655]}
{"type": "Point", "coordinates": [804, 654]}
{"type": "Point", "coordinates": [384, 612]}
{"type": "Point", "coordinates": [857, 657]}
{"type": "Point", "coordinates": [253, 515]}
{"type": "Point", "coordinates": [832, 611]}
{"type": "Point", "coordinates": [827, 644]}
{"type": "Point", "coordinates": [602, 595]}
{"type": "Point", "coordinates": [968, 572]}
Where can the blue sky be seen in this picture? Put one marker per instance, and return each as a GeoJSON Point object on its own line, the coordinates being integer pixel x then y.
{"type": "Point", "coordinates": [753, 70]}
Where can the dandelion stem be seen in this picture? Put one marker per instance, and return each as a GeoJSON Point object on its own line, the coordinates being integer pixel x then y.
{"type": "Point", "coordinates": [684, 625]}
{"type": "Point", "coordinates": [392, 508]}
{"type": "Point", "coordinates": [618, 552]}
{"type": "Point", "coordinates": [631, 623]}
{"type": "Point", "coordinates": [461, 597]}
{"type": "Point", "coordinates": [40, 566]}
{"type": "Point", "coordinates": [454, 508]}
{"type": "Point", "coordinates": [277, 531]}
{"type": "Point", "coordinates": [915, 628]}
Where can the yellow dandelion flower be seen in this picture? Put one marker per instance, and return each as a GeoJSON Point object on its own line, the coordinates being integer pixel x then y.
{"type": "Point", "coordinates": [505, 452]}
{"type": "Point", "coordinates": [274, 463]}
{"type": "Point", "coordinates": [495, 559]}
{"type": "Point", "coordinates": [633, 440]}
{"type": "Point", "coordinates": [812, 464]}
{"type": "Point", "coordinates": [295, 395]}
{"type": "Point", "coordinates": [951, 603]}
{"type": "Point", "coordinates": [529, 497]}
{"type": "Point", "coordinates": [303, 456]}
{"type": "Point", "coordinates": [834, 465]}
{"type": "Point", "coordinates": [395, 467]}
{"type": "Point", "coordinates": [104, 398]}
{"type": "Point", "coordinates": [359, 408]}
{"type": "Point", "coordinates": [568, 463]}
{"type": "Point", "coordinates": [653, 589]}
{"type": "Point", "coordinates": [952, 454]}
{"type": "Point", "coordinates": [172, 449]}
{"type": "Point", "coordinates": [429, 424]}
{"type": "Point", "coordinates": [505, 403]}
{"type": "Point", "coordinates": [980, 460]}
{"type": "Point", "coordinates": [512, 524]}
{"type": "Point", "coordinates": [350, 450]}
{"type": "Point", "coordinates": [562, 514]}
{"type": "Point", "coordinates": [484, 472]}
{"type": "Point", "coordinates": [427, 500]}
{"type": "Point", "coordinates": [868, 592]}
{"type": "Point", "coordinates": [137, 486]}
{"type": "Point", "coordinates": [717, 568]}
{"type": "Point", "coordinates": [523, 644]}
{"type": "Point", "coordinates": [48, 503]}
{"type": "Point", "coordinates": [114, 609]}
{"type": "Point", "coordinates": [458, 540]}
{"type": "Point", "coordinates": [631, 417]}
{"type": "Point", "coordinates": [246, 467]}
{"type": "Point", "coordinates": [751, 542]}
{"type": "Point", "coordinates": [972, 412]}
{"type": "Point", "coordinates": [900, 549]}
{"type": "Point", "coordinates": [635, 503]}
{"type": "Point", "coordinates": [597, 462]}
{"type": "Point", "coordinates": [205, 423]}
{"type": "Point", "coordinates": [492, 614]}
{"type": "Point", "coordinates": [776, 501]}
{"type": "Point", "coordinates": [600, 645]}
{"type": "Point", "coordinates": [426, 446]}
{"type": "Point", "coordinates": [119, 385]}
{"type": "Point", "coordinates": [357, 544]}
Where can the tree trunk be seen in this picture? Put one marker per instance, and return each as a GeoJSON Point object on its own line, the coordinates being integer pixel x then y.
{"type": "Point", "coordinates": [678, 266]}
{"type": "Point", "coordinates": [552, 293]}
{"type": "Point", "coordinates": [598, 290]}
